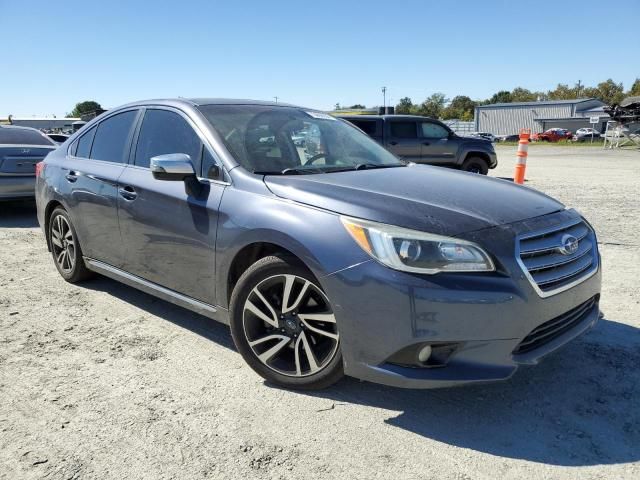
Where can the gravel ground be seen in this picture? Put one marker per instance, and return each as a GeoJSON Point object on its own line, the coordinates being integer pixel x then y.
{"type": "Point", "coordinates": [101, 381]}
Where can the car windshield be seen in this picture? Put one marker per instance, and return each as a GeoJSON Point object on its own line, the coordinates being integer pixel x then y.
{"type": "Point", "coordinates": [286, 140]}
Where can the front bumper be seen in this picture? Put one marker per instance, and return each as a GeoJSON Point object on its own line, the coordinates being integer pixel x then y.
{"type": "Point", "coordinates": [381, 312]}
{"type": "Point", "coordinates": [493, 159]}
{"type": "Point", "coordinates": [14, 187]}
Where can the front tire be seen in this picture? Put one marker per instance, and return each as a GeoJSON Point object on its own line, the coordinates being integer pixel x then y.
{"type": "Point", "coordinates": [476, 165]}
{"type": "Point", "coordinates": [65, 248]}
{"type": "Point", "coordinates": [282, 324]}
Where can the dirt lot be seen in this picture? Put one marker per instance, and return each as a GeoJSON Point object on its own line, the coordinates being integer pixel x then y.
{"type": "Point", "coordinates": [101, 381]}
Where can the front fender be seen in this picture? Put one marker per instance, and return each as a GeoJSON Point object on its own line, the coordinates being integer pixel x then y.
{"type": "Point", "coordinates": [316, 237]}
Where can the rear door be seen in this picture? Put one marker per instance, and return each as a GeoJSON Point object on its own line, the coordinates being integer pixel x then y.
{"type": "Point", "coordinates": [168, 227]}
{"type": "Point", "coordinates": [403, 140]}
{"type": "Point", "coordinates": [91, 172]}
{"type": "Point", "coordinates": [438, 146]}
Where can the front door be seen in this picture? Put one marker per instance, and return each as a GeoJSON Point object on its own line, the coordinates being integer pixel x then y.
{"type": "Point", "coordinates": [169, 227]}
{"type": "Point", "coordinates": [403, 140]}
{"type": "Point", "coordinates": [91, 172]}
{"type": "Point", "coordinates": [439, 147]}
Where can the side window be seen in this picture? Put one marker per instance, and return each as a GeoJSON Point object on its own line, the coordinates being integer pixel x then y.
{"type": "Point", "coordinates": [403, 129]}
{"type": "Point", "coordinates": [84, 144]}
{"type": "Point", "coordinates": [164, 132]}
{"type": "Point", "coordinates": [112, 138]}
{"type": "Point", "coordinates": [433, 130]}
{"type": "Point", "coordinates": [367, 126]}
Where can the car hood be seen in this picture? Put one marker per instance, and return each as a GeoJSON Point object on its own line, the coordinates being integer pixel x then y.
{"type": "Point", "coordinates": [431, 199]}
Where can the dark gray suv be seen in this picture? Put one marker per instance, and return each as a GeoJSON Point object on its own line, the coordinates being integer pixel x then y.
{"type": "Point", "coordinates": [324, 253]}
{"type": "Point", "coordinates": [424, 140]}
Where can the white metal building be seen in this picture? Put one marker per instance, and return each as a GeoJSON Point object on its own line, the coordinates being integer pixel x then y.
{"type": "Point", "coordinates": [45, 123]}
{"type": "Point", "coordinates": [509, 118]}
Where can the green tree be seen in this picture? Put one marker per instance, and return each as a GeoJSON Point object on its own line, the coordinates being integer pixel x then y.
{"type": "Point", "coordinates": [520, 94]}
{"type": "Point", "coordinates": [433, 106]}
{"type": "Point", "coordinates": [405, 106]}
{"type": "Point", "coordinates": [635, 89]}
{"type": "Point", "coordinates": [358, 106]}
{"type": "Point", "coordinates": [610, 92]}
{"type": "Point", "coordinates": [460, 107]}
{"type": "Point", "coordinates": [85, 107]}
{"type": "Point", "coordinates": [501, 97]}
{"type": "Point", "coordinates": [563, 92]}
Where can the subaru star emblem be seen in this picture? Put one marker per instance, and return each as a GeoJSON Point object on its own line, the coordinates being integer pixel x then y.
{"type": "Point", "coordinates": [569, 245]}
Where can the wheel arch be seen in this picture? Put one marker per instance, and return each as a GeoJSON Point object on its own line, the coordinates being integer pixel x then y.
{"type": "Point", "coordinates": [48, 211]}
{"type": "Point", "coordinates": [477, 153]}
{"type": "Point", "coordinates": [248, 255]}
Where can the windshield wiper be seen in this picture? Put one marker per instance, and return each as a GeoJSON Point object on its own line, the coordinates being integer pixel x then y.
{"type": "Point", "coordinates": [328, 169]}
{"type": "Point", "coordinates": [286, 171]}
{"type": "Point", "coordinates": [367, 166]}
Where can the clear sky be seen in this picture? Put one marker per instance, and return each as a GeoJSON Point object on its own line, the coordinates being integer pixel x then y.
{"type": "Point", "coordinates": [314, 53]}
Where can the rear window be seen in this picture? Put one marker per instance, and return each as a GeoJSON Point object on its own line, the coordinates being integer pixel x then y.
{"type": "Point", "coordinates": [367, 126]}
{"type": "Point", "coordinates": [404, 130]}
{"type": "Point", "coordinates": [84, 144]}
{"type": "Point", "coordinates": [111, 139]}
{"type": "Point", "coordinates": [23, 136]}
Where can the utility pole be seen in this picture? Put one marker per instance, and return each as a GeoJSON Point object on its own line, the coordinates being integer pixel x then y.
{"type": "Point", "coordinates": [384, 100]}
{"type": "Point", "coordinates": [579, 87]}
{"type": "Point", "coordinates": [276, 99]}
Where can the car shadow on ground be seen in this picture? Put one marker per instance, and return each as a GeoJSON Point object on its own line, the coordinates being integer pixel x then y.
{"type": "Point", "coordinates": [579, 407]}
{"type": "Point", "coordinates": [199, 324]}
{"type": "Point", "coordinates": [18, 214]}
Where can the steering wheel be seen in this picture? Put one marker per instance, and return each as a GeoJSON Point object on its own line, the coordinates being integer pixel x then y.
{"type": "Point", "coordinates": [317, 156]}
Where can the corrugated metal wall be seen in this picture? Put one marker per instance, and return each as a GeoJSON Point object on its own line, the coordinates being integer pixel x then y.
{"type": "Point", "coordinates": [509, 120]}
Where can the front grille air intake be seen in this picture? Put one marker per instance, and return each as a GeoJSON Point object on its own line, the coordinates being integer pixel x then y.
{"type": "Point", "coordinates": [556, 259]}
{"type": "Point", "coordinates": [556, 327]}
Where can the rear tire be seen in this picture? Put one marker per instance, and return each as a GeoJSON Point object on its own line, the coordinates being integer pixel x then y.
{"type": "Point", "coordinates": [282, 324]}
{"type": "Point", "coordinates": [476, 165]}
{"type": "Point", "coordinates": [65, 248]}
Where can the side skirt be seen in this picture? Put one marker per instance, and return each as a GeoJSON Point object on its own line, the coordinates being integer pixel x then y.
{"type": "Point", "coordinates": [216, 313]}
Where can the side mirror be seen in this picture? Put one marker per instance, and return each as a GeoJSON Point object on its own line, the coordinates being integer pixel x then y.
{"type": "Point", "coordinates": [172, 167]}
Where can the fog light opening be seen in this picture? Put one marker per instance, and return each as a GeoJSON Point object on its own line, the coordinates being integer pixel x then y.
{"type": "Point", "coordinates": [424, 354]}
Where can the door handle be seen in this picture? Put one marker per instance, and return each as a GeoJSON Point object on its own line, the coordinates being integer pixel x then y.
{"type": "Point", "coordinates": [426, 144]}
{"type": "Point", "coordinates": [393, 143]}
{"type": "Point", "coordinates": [72, 176]}
{"type": "Point", "coordinates": [128, 193]}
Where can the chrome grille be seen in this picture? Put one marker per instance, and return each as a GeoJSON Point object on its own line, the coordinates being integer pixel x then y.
{"type": "Point", "coordinates": [550, 268]}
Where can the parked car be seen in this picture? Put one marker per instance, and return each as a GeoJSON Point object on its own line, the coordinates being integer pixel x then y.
{"type": "Point", "coordinates": [58, 138]}
{"type": "Point", "coordinates": [552, 135]}
{"type": "Point", "coordinates": [345, 262]}
{"type": "Point", "coordinates": [586, 134]}
{"type": "Point", "coordinates": [425, 140]}
{"type": "Point", "coordinates": [509, 138]}
{"type": "Point", "coordinates": [20, 149]}
{"type": "Point", "coordinates": [487, 136]}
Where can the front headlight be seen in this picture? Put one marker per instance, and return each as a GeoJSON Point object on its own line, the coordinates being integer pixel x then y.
{"type": "Point", "coordinates": [414, 251]}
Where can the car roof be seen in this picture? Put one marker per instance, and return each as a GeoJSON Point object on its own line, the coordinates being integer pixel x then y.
{"type": "Point", "coordinates": [401, 117]}
{"type": "Point", "coordinates": [20, 127]}
{"type": "Point", "coordinates": [197, 102]}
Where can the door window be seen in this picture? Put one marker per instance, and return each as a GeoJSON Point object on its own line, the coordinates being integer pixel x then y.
{"type": "Point", "coordinates": [403, 130]}
{"type": "Point", "coordinates": [165, 132]}
{"type": "Point", "coordinates": [84, 144]}
{"type": "Point", "coordinates": [111, 140]}
{"type": "Point", "coordinates": [433, 130]}
{"type": "Point", "coordinates": [367, 126]}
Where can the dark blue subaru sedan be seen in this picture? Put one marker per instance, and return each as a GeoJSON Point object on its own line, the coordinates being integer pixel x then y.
{"type": "Point", "coordinates": [326, 254]}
